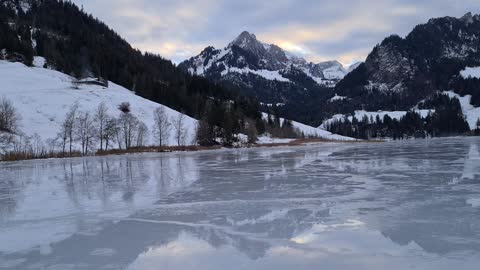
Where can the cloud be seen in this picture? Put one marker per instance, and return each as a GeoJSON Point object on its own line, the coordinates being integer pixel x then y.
{"type": "Point", "coordinates": [315, 29]}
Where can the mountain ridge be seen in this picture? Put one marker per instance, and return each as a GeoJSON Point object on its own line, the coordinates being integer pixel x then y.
{"type": "Point", "coordinates": [210, 62]}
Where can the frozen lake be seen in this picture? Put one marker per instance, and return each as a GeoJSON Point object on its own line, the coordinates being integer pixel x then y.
{"type": "Point", "coordinates": [411, 205]}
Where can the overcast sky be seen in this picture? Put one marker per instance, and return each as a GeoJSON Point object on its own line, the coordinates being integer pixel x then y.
{"type": "Point", "coordinates": [318, 30]}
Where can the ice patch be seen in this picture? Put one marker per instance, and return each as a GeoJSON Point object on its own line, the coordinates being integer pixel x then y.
{"type": "Point", "coordinates": [310, 235]}
{"type": "Point", "coordinates": [474, 202]}
{"type": "Point", "coordinates": [104, 252]}
{"type": "Point", "coordinates": [269, 217]}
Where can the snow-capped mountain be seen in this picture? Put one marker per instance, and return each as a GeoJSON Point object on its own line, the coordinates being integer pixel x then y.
{"type": "Point", "coordinates": [247, 54]}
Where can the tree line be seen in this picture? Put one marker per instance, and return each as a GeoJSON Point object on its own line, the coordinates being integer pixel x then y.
{"type": "Point", "coordinates": [445, 120]}
{"type": "Point", "coordinates": [83, 133]}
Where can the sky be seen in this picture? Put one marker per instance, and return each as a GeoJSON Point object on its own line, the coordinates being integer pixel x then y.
{"type": "Point", "coordinates": [318, 30]}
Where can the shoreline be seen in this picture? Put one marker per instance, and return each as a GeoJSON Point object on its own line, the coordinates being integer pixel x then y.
{"type": "Point", "coordinates": [179, 149]}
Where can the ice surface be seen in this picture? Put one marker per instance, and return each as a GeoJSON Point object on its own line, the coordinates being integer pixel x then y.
{"type": "Point", "coordinates": [332, 206]}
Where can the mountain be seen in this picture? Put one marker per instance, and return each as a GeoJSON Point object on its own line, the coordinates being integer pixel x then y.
{"type": "Point", "coordinates": [265, 71]}
{"type": "Point", "coordinates": [441, 56]}
{"type": "Point", "coordinates": [400, 72]}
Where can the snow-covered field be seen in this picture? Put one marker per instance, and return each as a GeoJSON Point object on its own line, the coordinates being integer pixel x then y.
{"type": "Point", "coordinates": [44, 96]}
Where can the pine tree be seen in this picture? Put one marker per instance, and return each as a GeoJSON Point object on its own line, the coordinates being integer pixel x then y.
{"type": "Point", "coordinates": [252, 132]}
{"type": "Point", "coordinates": [205, 134]}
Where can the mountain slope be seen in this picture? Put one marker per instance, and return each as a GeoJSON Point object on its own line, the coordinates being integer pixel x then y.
{"type": "Point", "coordinates": [433, 67]}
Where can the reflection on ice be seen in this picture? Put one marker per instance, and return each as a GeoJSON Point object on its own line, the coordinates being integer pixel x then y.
{"type": "Point", "coordinates": [46, 202]}
{"type": "Point", "coordinates": [360, 206]}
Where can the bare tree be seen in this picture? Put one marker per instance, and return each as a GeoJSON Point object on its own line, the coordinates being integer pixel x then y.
{"type": "Point", "coordinates": [85, 131]}
{"type": "Point", "coordinates": [142, 134]}
{"type": "Point", "coordinates": [67, 130]}
{"type": "Point", "coordinates": [162, 126]}
{"type": "Point", "coordinates": [38, 148]}
{"type": "Point", "coordinates": [6, 142]}
{"type": "Point", "coordinates": [179, 129]}
{"type": "Point", "coordinates": [111, 131]}
{"type": "Point", "coordinates": [51, 145]}
{"type": "Point", "coordinates": [9, 125]}
{"type": "Point", "coordinates": [118, 133]}
{"type": "Point", "coordinates": [9, 117]}
{"type": "Point", "coordinates": [128, 124]}
{"type": "Point", "coordinates": [101, 117]}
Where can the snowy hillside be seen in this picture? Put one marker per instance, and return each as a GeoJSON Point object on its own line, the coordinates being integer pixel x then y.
{"type": "Point", "coordinates": [471, 113]}
{"type": "Point", "coordinates": [317, 132]}
{"type": "Point", "coordinates": [44, 96]}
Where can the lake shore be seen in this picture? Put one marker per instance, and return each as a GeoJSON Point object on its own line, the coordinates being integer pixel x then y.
{"type": "Point", "coordinates": [170, 149]}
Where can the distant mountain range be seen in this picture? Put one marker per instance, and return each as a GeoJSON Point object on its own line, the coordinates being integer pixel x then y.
{"type": "Point", "coordinates": [398, 75]}
{"type": "Point", "coordinates": [246, 54]}
{"type": "Point", "coordinates": [263, 70]}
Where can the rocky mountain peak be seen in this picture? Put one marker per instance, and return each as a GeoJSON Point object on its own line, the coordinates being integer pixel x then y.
{"type": "Point", "coordinates": [247, 41]}
{"type": "Point", "coordinates": [246, 54]}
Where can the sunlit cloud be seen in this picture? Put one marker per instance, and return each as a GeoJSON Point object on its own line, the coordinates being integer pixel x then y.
{"type": "Point", "coordinates": [316, 30]}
